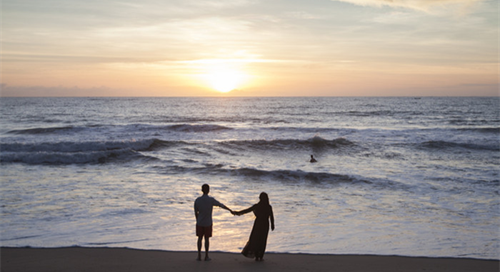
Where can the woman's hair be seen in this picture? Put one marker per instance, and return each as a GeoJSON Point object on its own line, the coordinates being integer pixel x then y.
{"type": "Point", "coordinates": [264, 198]}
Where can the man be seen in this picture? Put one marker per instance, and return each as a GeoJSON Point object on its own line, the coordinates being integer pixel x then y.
{"type": "Point", "coordinates": [203, 207]}
{"type": "Point", "coordinates": [313, 159]}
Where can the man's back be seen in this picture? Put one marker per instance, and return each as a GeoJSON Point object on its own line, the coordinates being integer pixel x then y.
{"type": "Point", "coordinates": [204, 205]}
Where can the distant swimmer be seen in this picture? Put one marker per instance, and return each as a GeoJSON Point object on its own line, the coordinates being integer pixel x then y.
{"type": "Point", "coordinates": [313, 159]}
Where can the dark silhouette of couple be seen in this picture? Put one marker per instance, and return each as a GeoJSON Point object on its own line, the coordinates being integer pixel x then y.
{"type": "Point", "coordinates": [256, 245]}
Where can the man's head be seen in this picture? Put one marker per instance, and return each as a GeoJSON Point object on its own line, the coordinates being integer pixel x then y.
{"type": "Point", "coordinates": [205, 189]}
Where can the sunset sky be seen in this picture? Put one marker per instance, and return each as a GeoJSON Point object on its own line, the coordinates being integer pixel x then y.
{"type": "Point", "coordinates": [250, 48]}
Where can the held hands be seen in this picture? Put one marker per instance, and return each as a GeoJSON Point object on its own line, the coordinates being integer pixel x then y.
{"type": "Point", "coordinates": [239, 213]}
{"type": "Point", "coordinates": [235, 213]}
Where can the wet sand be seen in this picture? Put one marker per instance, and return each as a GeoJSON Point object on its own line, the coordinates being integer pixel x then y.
{"type": "Point", "coordinates": [122, 259]}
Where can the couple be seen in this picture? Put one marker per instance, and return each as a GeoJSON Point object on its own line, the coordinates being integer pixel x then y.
{"type": "Point", "coordinates": [256, 245]}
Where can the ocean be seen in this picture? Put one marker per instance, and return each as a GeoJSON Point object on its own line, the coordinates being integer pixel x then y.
{"type": "Point", "coordinates": [395, 176]}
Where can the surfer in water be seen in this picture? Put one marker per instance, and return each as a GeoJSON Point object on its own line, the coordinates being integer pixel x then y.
{"type": "Point", "coordinates": [313, 159]}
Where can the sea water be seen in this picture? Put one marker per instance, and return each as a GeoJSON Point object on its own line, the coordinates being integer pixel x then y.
{"type": "Point", "coordinates": [395, 176]}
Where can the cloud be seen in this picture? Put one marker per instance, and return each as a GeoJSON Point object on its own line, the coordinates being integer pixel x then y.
{"type": "Point", "coordinates": [224, 61]}
{"type": "Point", "coordinates": [422, 5]}
{"type": "Point", "coordinates": [303, 15]}
{"type": "Point", "coordinates": [56, 91]}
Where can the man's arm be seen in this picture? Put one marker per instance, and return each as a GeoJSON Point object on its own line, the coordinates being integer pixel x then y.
{"type": "Point", "coordinates": [196, 211]}
{"type": "Point", "coordinates": [217, 203]}
{"type": "Point", "coordinates": [226, 208]}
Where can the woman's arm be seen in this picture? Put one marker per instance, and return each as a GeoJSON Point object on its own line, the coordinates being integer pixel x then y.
{"type": "Point", "coordinates": [245, 210]}
{"type": "Point", "coordinates": [272, 219]}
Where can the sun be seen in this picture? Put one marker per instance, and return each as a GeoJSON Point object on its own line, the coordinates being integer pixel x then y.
{"type": "Point", "coordinates": [224, 80]}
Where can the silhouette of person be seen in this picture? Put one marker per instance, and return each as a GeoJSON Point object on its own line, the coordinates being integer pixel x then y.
{"type": "Point", "coordinates": [256, 245]}
{"type": "Point", "coordinates": [313, 159]}
{"type": "Point", "coordinates": [203, 207]}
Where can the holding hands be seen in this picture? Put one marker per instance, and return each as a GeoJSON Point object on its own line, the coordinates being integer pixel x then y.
{"type": "Point", "coordinates": [235, 213]}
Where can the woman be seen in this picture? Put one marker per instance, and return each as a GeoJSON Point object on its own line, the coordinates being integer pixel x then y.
{"type": "Point", "coordinates": [256, 245]}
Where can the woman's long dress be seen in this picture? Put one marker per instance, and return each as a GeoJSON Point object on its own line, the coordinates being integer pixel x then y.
{"type": "Point", "coordinates": [256, 245]}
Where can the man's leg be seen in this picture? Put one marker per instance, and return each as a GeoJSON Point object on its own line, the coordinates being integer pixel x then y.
{"type": "Point", "coordinates": [207, 245]}
{"type": "Point", "coordinates": [199, 247]}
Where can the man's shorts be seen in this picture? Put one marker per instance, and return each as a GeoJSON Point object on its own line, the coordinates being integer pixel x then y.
{"type": "Point", "coordinates": [204, 231]}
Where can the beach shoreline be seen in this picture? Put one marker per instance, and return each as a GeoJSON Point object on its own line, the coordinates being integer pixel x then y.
{"type": "Point", "coordinates": [127, 259]}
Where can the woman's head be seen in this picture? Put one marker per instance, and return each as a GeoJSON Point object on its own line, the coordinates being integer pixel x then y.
{"type": "Point", "coordinates": [264, 198]}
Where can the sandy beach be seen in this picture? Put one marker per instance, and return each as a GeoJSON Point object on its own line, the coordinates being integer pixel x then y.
{"type": "Point", "coordinates": [121, 259]}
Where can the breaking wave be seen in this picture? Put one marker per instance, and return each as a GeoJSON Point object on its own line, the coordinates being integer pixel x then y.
{"type": "Point", "coordinates": [289, 144]}
{"type": "Point", "coordinates": [113, 151]}
{"type": "Point", "coordinates": [79, 152]}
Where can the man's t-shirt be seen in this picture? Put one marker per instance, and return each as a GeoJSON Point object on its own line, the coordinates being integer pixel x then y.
{"type": "Point", "coordinates": [204, 204]}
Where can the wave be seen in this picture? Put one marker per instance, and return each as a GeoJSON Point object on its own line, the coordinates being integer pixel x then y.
{"type": "Point", "coordinates": [219, 119]}
{"type": "Point", "coordinates": [56, 158]}
{"type": "Point", "coordinates": [47, 130]}
{"type": "Point", "coordinates": [293, 175]}
{"type": "Point", "coordinates": [197, 128]}
{"type": "Point", "coordinates": [439, 145]}
{"type": "Point", "coordinates": [289, 144]}
{"type": "Point", "coordinates": [298, 176]}
{"type": "Point", "coordinates": [126, 128]}
{"type": "Point", "coordinates": [112, 151]}
{"type": "Point", "coordinates": [80, 152]}
{"type": "Point", "coordinates": [368, 113]}
{"type": "Point", "coordinates": [495, 130]}
{"type": "Point", "coordinates": [277, 175]}
{"type": "Point", "coordinates": [90, 146]}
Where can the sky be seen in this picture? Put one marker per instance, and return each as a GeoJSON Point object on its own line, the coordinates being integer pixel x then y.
{"type": "Point", "coordinates": [250, 48]}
